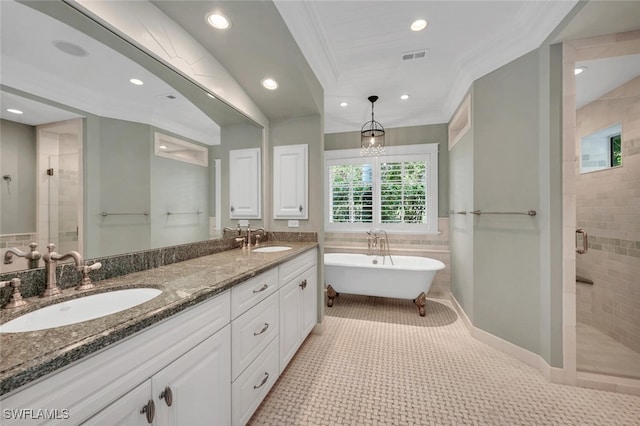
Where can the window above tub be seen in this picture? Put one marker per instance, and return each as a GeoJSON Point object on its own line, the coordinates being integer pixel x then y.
{"type": "Point", "coordinates": [397, 191]}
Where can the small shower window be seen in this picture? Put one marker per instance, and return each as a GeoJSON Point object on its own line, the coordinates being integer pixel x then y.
{"type": "Point", "coordinates": [601, 150]}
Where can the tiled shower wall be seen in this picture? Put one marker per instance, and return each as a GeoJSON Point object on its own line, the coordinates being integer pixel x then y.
{"type": "Point", "coordinates": [607, 206]}
{"type": "Point", "coordinates": [433, 246]}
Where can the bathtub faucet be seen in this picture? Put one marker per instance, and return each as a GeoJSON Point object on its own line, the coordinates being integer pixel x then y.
{"type": "Point", "coordinates": [379, 243]}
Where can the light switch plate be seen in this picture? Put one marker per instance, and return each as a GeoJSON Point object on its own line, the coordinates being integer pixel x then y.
{"type": "Point", "coordinates": [293, 224]}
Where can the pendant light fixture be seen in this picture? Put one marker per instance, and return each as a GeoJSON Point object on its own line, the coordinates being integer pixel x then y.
{"type": "Point", "coordinates": [372, 135]}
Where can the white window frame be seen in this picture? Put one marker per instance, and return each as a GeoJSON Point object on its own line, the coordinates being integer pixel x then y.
{"type": "Point", "coordinates": [422, 152]}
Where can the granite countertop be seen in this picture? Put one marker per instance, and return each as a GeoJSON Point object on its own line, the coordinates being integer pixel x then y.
{"type": "Point", "coordinates": [27, 356]}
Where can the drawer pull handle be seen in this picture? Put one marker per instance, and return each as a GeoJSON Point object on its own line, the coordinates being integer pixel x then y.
{"type": "Point", "coordinates": [303, 284]}
{"type": "Point", "coordinates": [149, 410]}
{"type": "Point", "coordinates": [263, 330]}
{"type": "Point", "coordinates": [264, 380]}
{"type": "Point", "coordinates": [167, 395]}
{"type": "Point", "coordinates": [261, 289]}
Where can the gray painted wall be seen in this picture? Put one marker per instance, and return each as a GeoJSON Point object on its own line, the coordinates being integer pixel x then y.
{"type": "Point", "coordinates": [178, 187]}
{"type": "Point", "coordinates": [124, 175]}
{"type": "Point", "coordinates": [514, 288]}
{"type": "Point", "coordinates": [18, 197]}
{"type": "Point", "coordinates": [125, 157]}
{"type": "Point", "coordinates": [413, 135]}
{"type": "Point", "coordinates": [506, 166]}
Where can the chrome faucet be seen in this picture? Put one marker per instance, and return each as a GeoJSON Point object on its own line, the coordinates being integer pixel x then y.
{"type": "Point", "coordinates": [262, 232]}
{"type": "Point", "coordinates": [51, 263]}
{"type": "Point", "coordinates": [15, 300]}
{"type": "Point", "coordinates": [33, 256]}
{"type": "Point", "coordinates": [375, 241]}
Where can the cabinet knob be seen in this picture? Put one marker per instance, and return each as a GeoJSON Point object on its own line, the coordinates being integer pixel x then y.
{"type": "Point", "coordinates": [300, 208]}
{"type": "Point", "coordinates": [303, 284]}
{"type": "Point", "coordinates": [232, 209]}
{"type": "Point", "coordinates": [167, 395]}
{"type": "Point", "coordinates": [266, 326]}
{"type": "Point", "coordinates": [264, 380]}
{"type": "Point", "coordinates": [149, 410]}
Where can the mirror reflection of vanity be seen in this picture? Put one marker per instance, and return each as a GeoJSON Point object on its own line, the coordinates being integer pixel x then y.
{"type": "Point", "coordinates": [97, 163]}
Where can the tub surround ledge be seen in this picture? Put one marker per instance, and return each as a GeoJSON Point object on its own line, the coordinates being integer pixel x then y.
{"type": "Point", "coordinates": [26, 357]}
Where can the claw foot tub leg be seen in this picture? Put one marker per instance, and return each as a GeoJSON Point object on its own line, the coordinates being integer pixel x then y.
{"type": "Point", "coordinates": [331, 294]}
{"type": "Point", "coordinates": [420, 302]}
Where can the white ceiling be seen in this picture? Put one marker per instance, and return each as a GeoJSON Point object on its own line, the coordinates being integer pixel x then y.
{"type": "Point", "coordinates": [355, 49]}
{"type": "Point", "coordinates": [97, 82]}
{"type": "Point", "coordinates": [604, 75]}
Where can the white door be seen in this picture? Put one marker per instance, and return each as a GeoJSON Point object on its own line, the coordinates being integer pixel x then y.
{"type": "Point", "coordinates": [290, 182]}
{"type": "Point", "coordinates": [132, 409]}
{"type": "Point", "coordinates": [197, 385]}
{"type": "Point", "coordinates": [309, 305]}
{"type": "Point", "coordinates": [244, 183]}
{"type": "Point", "coordinates": [289, 322]}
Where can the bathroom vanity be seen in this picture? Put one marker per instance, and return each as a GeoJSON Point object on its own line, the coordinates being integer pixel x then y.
{"type": "Point", "coordinates": [205, 351]}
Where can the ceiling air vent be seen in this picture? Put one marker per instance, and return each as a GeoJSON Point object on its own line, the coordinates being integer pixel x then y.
{"type": "Point", "coordinates": [416, 55]}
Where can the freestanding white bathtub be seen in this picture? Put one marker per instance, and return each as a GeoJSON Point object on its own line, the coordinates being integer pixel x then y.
{"type": "Point", "coordinates": [409, 277]}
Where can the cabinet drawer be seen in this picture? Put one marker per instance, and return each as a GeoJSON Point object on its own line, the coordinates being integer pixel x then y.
{"type": "Point", "coordinates": [252, 332]}
{"type": "Point", "coordinates": [294, 267]}
{"type": "Point", "coordinates": [249, 293]}
{"type": "Point", "coordinates": [251, 387]}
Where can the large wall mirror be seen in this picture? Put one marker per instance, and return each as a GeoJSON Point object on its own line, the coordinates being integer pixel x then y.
{"type": "Point", "coordinates": [98, 138]}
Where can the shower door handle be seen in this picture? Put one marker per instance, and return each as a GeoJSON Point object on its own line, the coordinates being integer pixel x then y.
{"type": "Point", "coordinates": [585, 241]}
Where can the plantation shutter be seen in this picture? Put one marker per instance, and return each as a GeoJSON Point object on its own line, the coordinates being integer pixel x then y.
{"type": "Point", "coordinates": [351, 193]}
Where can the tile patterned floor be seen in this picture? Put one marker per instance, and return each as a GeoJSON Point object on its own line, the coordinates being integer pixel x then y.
{"type": "Point", "coordinates": [379, 363]}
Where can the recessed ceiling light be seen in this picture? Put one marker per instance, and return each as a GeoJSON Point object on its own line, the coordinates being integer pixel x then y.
{"type": "Point", "coordinates": [136, 81]}
{"type": "Point", "coordinates": [419, 25]}
{"type": "Point", "coordinates": [343, 104]}
{"type": "Point", "coordinates": [210, 95]}
{"type": "Point", "coordinates": [162, 147]}
{"type": "Point", "coordinates": [579, 70]}
{"type": "Point", "coordinates": [218, 21]}
{"type": "Point", "coordinates": [70, 48]}
{"type": "Point", "coordinates": [269, 83]}
{"type": "Point", "coordinates": [404, 97]}
{"type": "Point", "coordinates": [14, 111]}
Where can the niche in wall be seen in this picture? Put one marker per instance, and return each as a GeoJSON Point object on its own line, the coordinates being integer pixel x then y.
{"type": "Point", "coordinates": [460, 123]}
{"type": "Point", "coordinates": [177, 149]}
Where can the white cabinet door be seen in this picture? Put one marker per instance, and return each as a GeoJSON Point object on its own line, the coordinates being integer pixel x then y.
{"type": "Point", "coordinates": [289, 322]}
{"type": "Point", "coordinates": [195, 390]}
{"type": "Point", "coordinates": [197, 385]}
{"type": "Point", "coordinates": [127, 410]}
{"type": "Point", "coordinates": [245, 183]}
{"type": "Point", "coordinates": [290, 188]}
{"type": "Point", "coordinates": [309, 304]}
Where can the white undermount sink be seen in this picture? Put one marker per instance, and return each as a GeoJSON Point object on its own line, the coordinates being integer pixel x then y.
{"type": "Point", "coordinates": [81, 309]}
{"type": "Point", "coordinates": [271, 249]}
